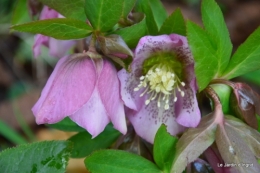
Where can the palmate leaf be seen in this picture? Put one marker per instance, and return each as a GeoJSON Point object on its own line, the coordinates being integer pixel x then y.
{"type": "Point", "coordinates": [194, 141]}
{"type": "Point", "coordinates": [103, 14]}
{"type": "Point", "coordinates": [155, 14]}
{"type": "Point", "coordinates": [233, 149]}
{"type": "Point", "coordinates": [204, 53]}
{"type": "Point", "coordinates": [216, 27]}
{"type": "Point", "coordinates": [174, 24]}
{"type": "Point", "coordinates": [59, 28]}
{"type": "Point", "coordinates": [211, 46]}
{"type": "Point", "coordinates": [246, 58]}
{"type": "Point", "coordinates": [70, 9]}
{"type": "Point", "coordinates": [47, 156]}
{"type": "Point", "coordinates": [118, 161]}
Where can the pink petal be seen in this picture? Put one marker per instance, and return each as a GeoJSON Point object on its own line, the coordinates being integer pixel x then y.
{"type": "Point", "coordinates": [150, 45]}
{"type": "Point", "coordinates": [108, 87]}
{"type": "Point", "coordinates": [48, 13]}
{"type": "Point", "coordinates": [59, 48]}
{"type": "Point", "coordinates": [128, 84]}
{"type": "Point", "coordinates": [69, 87]}
{"type": "Point", "coordinates": [187, 107]}
{"type": "Point", "coordinates": [92, 116]}
{"type": "Point", "coordinates": [147, 121]}
{"type": "Point", "coordinates": [39, 40]}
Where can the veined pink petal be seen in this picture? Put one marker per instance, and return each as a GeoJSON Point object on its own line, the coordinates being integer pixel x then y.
{"type": "Point", "coordinates": [92, 116]}
{"type": "Point", "coordinates": [69, 87]}
{"type": "Point", "coordinates": [59, 48]}
{"type": "Point", "coordinates": [187, 107]}
{"type": "Point", "coordinates": [150, 45]}
{"type": "Point", "coordinates": [127, 88]}
{"type": "Point", "coordinates": [109, 89]}
{"type": "Point", "coordinates": [147, 121]}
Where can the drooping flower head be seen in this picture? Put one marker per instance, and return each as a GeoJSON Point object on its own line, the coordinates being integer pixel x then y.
{"type": "Point", "coordinates": [84, 89]}
{"type": "Point", "coordinates": [57, 48]}
{"type": "Point", "coordinates": [161, 87]}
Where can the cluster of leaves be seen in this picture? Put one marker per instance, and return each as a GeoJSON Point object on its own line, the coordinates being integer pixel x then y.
{"type": "Point", "coordinates": [211, 48]}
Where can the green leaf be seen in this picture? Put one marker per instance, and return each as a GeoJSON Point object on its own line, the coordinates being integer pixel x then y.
{"type": "Point", "coordinates": [128, 5]}
{"type": "Point", "coordinates": [70, 9]}
{"type": "Point", "coordinates": [194, 141]}
{"type": "Point", "coordinates": [246, 58]}
{"type": "Point", "coordinates": [215, 25]}
{"type": "Point", "coordinates": [85, 145]}
{"type": "Point", "coordinates": [174, 24]}
{"type": "Point", "coordinates": [164, 149]}
{"type": "Point", "coordinates": [118, 161]}
{"type": "Point", "coordinates": [204, 53]}
{"type": "Point", "coordinates": [132, 34]}
{"type": "Point", "coordinates": [252, 77]}
{"type": "Point", "coordinates": [103, 14]}
{"type": "Point", "coordinates": [21, 13]}
{"type": "Point", "coordinates": [62, 28]}
{"type": "Point", "coordinates": [159, 12]}
{"type": "Point", "coordinates": [155, 14]}
{"type": "Point", "coordinates": [47, 156]}
{"type": "Point", "coordinates": [67, 125]}
{"type": "Point", "coordinates": [233, 149]}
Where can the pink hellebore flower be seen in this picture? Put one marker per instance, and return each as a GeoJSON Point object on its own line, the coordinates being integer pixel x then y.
{"type": "Point", "coordinates": [161, 87]}
{"type": "Point", "coordinates": [84, 89]}
{"type": "Point", "coordinates": [56, 47]}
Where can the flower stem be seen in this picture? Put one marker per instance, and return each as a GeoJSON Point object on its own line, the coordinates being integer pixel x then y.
{"type": "Point", "coordinates": [217, 105]}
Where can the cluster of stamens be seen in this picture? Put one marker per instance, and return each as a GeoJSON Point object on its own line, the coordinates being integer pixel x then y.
{"type": "Point", "coordinates": [160, 84]}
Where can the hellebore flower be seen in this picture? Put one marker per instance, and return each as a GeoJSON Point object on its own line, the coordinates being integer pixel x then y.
{"type": "Point", "coordinates": [56, 47]}
{"type": "Point", "coordinates": [84, 89]}
{"type": "Point", "coordinates": [161, 87]}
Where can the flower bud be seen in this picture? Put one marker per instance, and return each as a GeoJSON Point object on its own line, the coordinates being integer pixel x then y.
{"type": "Point", "coordinates": [245, 104]}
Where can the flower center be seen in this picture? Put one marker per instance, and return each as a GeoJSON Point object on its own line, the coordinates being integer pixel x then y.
{"type": "Point", "coordinates": [160, 82]}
